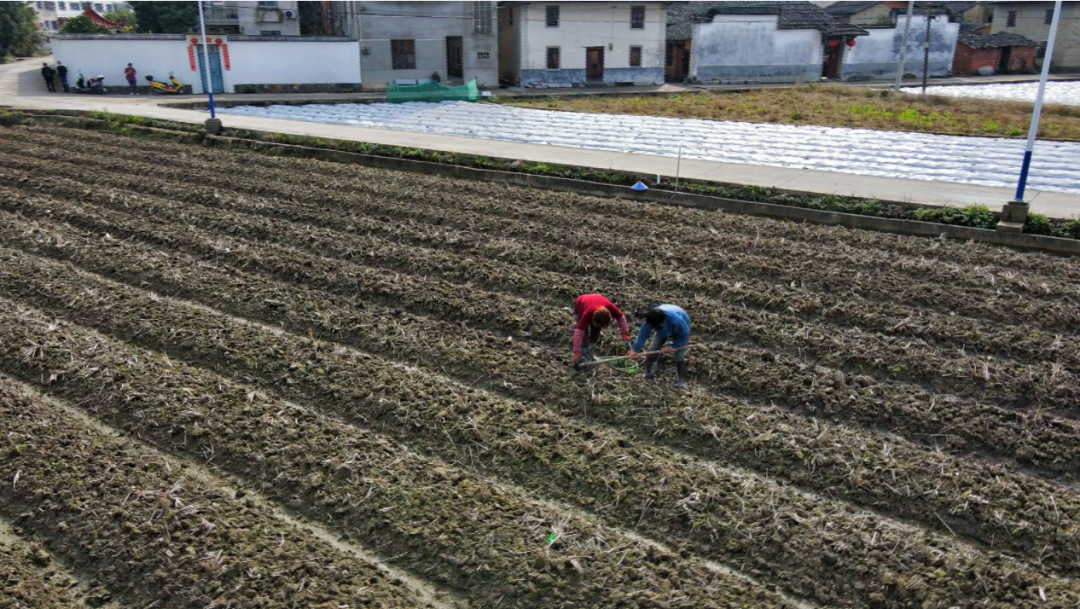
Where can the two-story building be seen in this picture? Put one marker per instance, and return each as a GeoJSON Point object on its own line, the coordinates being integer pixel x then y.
{"type": "Point", "coordinates": [1032, 20]}
{"type": "Point", "coordinates": [565, 44]}
{"type": "Point", "coordinates": [252, 18]}
{"type": "Point", "coordinates": [52, 15]}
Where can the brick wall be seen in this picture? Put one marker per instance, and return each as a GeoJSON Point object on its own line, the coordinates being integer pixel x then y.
{"type": "Point", "coordinates": [968, 60]}
{"type": "Point", "coordinates": [1022, 59]}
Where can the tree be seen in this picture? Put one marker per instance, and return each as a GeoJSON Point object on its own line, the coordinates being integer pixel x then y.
{"type": "Point", "coordinates": [166, 17]}
{"type": "Point", "coordinates": [126, 17]}
{"type": "Point", "coordinates": [19, 33]}
{"type": "Point", "coordinates": [81, 24]}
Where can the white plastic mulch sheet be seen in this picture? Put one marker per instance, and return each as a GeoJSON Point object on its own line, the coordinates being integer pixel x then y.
{"type": "Point", "coordinates": [1067, 93]}
{"type": "Point", "coordinates": [972, 160]}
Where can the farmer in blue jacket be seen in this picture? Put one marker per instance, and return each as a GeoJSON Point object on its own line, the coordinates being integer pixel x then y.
{"type": "Point", "coordinates": [669, 322]}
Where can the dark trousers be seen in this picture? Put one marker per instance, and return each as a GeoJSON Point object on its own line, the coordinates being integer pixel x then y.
{"type": "Point", "coordinates": [63, 83]}
{"type": "Point", "coordinates": [131, 87]}
{"type": "Point", "coordinates": [52, 86]}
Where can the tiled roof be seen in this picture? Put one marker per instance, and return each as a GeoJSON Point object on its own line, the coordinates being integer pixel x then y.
{"type": "Point", "coordinates": [994, 41]}
{"type": "Point", "coordinates": [792, 15]}
{"type": "Point", "coordinates": [846, 9]}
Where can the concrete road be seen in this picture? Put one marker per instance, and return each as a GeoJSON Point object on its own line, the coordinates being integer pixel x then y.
{"type": "Point", "coordinates": [21, 86]}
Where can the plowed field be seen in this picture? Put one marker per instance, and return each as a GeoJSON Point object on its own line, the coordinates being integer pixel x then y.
{"type": "Point", "coordinates": [233, 380]}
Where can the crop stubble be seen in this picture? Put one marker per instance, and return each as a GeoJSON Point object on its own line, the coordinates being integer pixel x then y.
{"type": "Point", "coordinates": [527, 369]}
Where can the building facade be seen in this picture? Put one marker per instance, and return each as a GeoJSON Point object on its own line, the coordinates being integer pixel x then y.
{"type": "Point", "coordinates": [1001, 53]}
{"type": "Point", "coordinates": [1032, 20]}
{"type": "Point", "coordinates": [252, 18]}
{"type": "Point", "coordinates": [52, 15]}
{"type": "Point", "coordinates": [565, 44]}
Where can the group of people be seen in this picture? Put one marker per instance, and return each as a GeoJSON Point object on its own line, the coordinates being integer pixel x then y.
{"type": "Point", "coordinates": [60, 71]}
{"type": "Point", "coordinates": [664, 322]}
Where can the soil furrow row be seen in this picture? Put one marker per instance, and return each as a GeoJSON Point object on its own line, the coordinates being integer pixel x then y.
{"type": "Point", "coordinates": [825, 274]}
{"type": "Point", "coordinates": [878, 248]}
{"type": "Point", "coordinates": [982, 500]}
{"type": "Point", "coordinates": [948, 331]}
{"type": "Point", "coordinates": [1038, 439]}
{"type": "Point", "coordinates": [154, 532]}
{"type": "Point", "coordinates": [31, 579]}
{"type": "Point", "coordinates": [437, 519]}
{"type": "Point", "coordinates": [502, 438]}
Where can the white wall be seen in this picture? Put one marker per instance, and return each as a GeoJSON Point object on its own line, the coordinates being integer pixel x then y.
{"type": "Point", "coordinates": [260, 61]}
{"type": "Point", "coordinates": [876, 55]}
{"type": "Point", "coordinates": [110, 56]}
{"type": "Point", "coordinates": [751, 48]}
{"type": "Point", "coordinates": [592, 24]}
{"type": "Point", "coordinates": [280, 62]}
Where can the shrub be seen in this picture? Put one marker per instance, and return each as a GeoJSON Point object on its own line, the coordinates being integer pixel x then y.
{"type": "Point", "coordinates": [1038, 224]}
{"type": "Point", "coordinates": [1071, 229]}
{"type": "Point", "coordinates": [977, 216]}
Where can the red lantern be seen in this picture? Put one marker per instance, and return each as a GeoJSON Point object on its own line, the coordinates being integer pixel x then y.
{"type": "Point", "coordinates": [834, 43]}
{"type": "Point", "coordinates": [194, 41]}
{"type": "Point", "coordinates": [851, 42]}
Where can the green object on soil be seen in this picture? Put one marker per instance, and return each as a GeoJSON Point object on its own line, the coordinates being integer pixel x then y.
{"type": "Point", "coordinates": [551, 538]}
{"type": "Point", "coordinates": [627, 366]}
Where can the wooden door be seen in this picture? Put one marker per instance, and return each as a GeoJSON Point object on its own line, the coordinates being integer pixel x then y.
{"type": "Point", "coordinates": [455, 57]}
{"type": "Point", "coordinates": [832, 61]}
{"type": "Point", "coordinates": [594, 64]}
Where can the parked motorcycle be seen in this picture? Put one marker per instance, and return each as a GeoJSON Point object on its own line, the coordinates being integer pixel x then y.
{"type": "Point", "coordinates": [173, 87]}
{"type": "Point", "coordinates": [94, 86]}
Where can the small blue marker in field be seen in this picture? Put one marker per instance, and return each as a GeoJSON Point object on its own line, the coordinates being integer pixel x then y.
{"type": "Point", "coordinates": [639, 186]}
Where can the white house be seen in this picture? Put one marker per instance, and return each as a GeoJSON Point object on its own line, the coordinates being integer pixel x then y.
{"type": "Point", "coordinates": [877, 55]}
{"type": "Point", "coordinates": [52, 15]}
{"type": "Point", "coordinates": [252, 18]}
{"type": "Point", "coordinates": [238, 64]}
{"type": "Point", "coordinates": [562, 44]}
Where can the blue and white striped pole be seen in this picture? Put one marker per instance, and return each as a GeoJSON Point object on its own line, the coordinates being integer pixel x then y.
{"type": "Point", "coordinates": [206, 59]}
{"type": "Point", "coordinates": [1034, 128]}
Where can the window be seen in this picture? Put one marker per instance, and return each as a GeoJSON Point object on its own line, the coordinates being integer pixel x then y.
{"type": "Point", "coordinates": [50, 6]}
{"type": "Point", "coordinates": [553, 58]}
{"type": "Point", "coordinates": [482, 17]}
{"type": "Point", "coordinates": [99, 7]}
{"type": "Point", "coordinates": [1049, 16]}
{"type": "Point", "coordinates": [270, 33]}
{"type": "Point", "coordinates": [63, 6]}
{"type": "Point", "coordinates": [635, 57]}
{"type": "Point", "coordinates": [403, 54]}
{"type": "Point", "coordinates": [637, 17]}
{"type": "Point", "coordinates": [273, 3]}
{"type": "Point", "coordinates": [553, 16]}
{"type": "Point", "coordinates": [1011, 22]}
{"type": "Point", "coordinates": [40, 6]}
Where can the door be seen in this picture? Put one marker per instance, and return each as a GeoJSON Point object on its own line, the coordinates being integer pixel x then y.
{"type": "Point", "coordinates": [832, 61]}
{"type": "Point", "coordinates": [1003, 61]}
{"type": "Point", "coordinates": [455, 57]}
{"type": "Point", "coordinates": [594, 64]}
{"type": "Point", "coordinates": [215, 68]}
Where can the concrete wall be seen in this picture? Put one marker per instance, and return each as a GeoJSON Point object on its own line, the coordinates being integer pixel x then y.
{"type": "Point", "coordinates": [308, 63]}
{"type": "Point", "coordinates": [876, 56]}
{"type": "Point", "coordinates": [737, 48]}
{"type": "Point", "coordinates": [877, 14]}
{"type": "Point", "coordinates": [591, 24]}
{"type": "Point", "coordinates": [428, 24]}
{"type": "Point", "coordinates": [1031, 22]}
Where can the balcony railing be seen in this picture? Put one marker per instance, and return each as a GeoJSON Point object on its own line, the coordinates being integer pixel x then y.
{"type": "Point", "coordinates": [221, 15]}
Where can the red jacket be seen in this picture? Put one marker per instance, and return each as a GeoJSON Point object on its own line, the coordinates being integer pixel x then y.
{"type": "Point", "coordinates": [584, 307]}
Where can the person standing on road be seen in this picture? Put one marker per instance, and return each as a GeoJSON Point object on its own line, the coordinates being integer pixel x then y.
{"type": "Point", "coordinates": [592, 312]}
{"type": "Point", "coordinates": [61, 72]}
{"type": "Point", "coordinates": [129, 74]}
{"type": "Point", "coordinates": [49, 73]}
{"type": "Point", "coordinates": [669, 322]}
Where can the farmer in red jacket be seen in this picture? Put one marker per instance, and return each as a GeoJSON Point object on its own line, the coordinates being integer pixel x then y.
{"type": "Point", "coordinates": [593, 312]}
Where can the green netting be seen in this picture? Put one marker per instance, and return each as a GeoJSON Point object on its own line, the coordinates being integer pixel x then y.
{"type": "Point", "coordinates": [432, 92]}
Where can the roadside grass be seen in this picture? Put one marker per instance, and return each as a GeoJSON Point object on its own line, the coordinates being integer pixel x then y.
{"type": "Point", "coordinates": [834, 105]}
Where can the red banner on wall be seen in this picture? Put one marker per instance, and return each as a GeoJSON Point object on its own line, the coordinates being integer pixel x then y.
{"type": "Point", "coordinates": [225, 56]}
{"type": "Point", "coordinates": [191, 57]}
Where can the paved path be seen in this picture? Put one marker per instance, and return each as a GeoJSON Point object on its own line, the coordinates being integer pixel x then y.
{"type": "Point", "coordinates": [22, 87]}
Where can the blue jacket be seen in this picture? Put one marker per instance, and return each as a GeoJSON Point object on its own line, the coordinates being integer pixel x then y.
{"type": "Point", "coordinates": [676, 326]}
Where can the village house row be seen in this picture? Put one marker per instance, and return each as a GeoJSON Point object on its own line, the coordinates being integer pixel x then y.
{"type": "Point", "coordinates": [257, 46]}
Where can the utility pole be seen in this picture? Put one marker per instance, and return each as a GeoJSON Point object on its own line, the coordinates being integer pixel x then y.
{"type": "Point", "coordinates": [926, 50]}
{"type": "Point", "coordinates": [903, 45]}
{"type": "Point", "coordinates": [1014, 214]}
{"type": "Point", "coordinates": [213, 124]}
